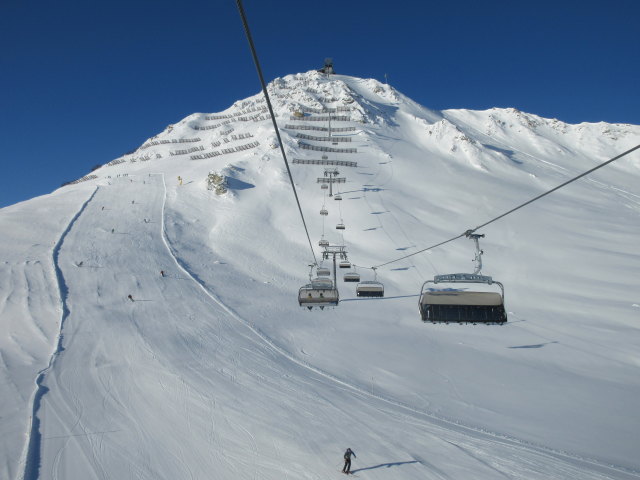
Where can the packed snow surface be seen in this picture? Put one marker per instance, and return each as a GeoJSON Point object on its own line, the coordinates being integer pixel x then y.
{"type": "Point", "coordinates": [212, 369]}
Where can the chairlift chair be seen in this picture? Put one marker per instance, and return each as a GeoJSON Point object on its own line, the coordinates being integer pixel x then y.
{"type": "Point", "coordinates": [337, 197]}
{"type": "Point", "coordinates": [323, 243]}
{"type": "Point", "coordinates": [319, 293]}
{"type": "Point", "coordinates": [324, 186]}
{"type": "Point", "coordinates": [323, 272]}
{"type": "Point", "coordinates": [345, 264]}
{"type": "Point", "coordinates": [463, 306]}
{"type": "Point", "coordinates": [370, 288]}
{"type": "Point", "coordinates": [340, 226]}
{"type": "Point", "coordinates": [351, 277]}
{"type": "Point", "coordinates": [324, 212]}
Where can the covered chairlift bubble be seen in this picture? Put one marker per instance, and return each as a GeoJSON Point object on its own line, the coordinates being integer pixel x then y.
{"type": "Point", "coordinates": [319, 293]}
{"type": "Point", "coordinates": [370, 288]}
{"type": "Point", "coordinates": [463, 306]}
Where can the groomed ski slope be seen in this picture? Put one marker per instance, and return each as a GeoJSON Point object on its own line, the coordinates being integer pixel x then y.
{"type": "Point", "coordinates": [214, 371]}
{"type": "Point", "coordinates": [167, 388]}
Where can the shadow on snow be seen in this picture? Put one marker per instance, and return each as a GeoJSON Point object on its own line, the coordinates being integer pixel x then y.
{"type": "Point", "coordinates": [384, 465]}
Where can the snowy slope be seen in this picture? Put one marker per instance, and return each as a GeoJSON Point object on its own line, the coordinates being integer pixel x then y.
{"type": "Point", "coordinates": [214, 370]}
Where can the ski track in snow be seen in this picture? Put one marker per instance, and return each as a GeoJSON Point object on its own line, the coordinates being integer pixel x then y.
{"type": "Point", "coordinates": [31, 470]}
{"type": "Point", "coordinates": [31, 457]}
{"type": "Point", "coordinates": [412, 415]}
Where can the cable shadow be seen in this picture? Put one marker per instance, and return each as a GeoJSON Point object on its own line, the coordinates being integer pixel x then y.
{"type": "Point", "coordinates": [365, 189]}
{"type": "Point", "coordinates": [364, 299]}
{"type": "Point", "coordinates": [537, 345]}
{"type": "Point", "coordinates": [384, 465]}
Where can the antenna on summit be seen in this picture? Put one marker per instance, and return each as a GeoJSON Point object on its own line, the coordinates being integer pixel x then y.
{"type": "Point", "coordinates": [328, 67]}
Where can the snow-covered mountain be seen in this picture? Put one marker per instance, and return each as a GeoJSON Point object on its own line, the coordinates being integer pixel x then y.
{"type": "Point", "coordinates": [214, 371]}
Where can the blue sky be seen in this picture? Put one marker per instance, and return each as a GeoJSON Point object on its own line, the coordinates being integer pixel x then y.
{"type": "Point", "coordinates": [81, 83]}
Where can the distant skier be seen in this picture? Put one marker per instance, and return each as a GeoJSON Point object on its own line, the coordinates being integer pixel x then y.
{"type": "Point", "coordinates": [130, 298]}
{"type": "Point", "coordinates": [162, 273]}
{"type": "Point", "coordinates": [347, 460]}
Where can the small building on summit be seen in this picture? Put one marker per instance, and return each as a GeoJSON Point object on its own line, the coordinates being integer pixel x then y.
{"type": "Point", "coordinates": [328, 67]}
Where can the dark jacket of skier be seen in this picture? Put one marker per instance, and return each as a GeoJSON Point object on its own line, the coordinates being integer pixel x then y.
{"type": "Point", "coordinates": [347, 460]}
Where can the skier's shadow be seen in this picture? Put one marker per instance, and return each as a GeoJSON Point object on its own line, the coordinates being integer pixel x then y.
{"type": "Point", "coordinates": [383, 465]}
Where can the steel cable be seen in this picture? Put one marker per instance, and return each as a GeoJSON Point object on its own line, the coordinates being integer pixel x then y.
{"type": "Point", "coordinates": [466, 233]}
{"type": "Point", "coordinates": [254, 54]}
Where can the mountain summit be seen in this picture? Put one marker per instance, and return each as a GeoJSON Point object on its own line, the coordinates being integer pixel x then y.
{"type": "Point", "coordinates": [150, 318]}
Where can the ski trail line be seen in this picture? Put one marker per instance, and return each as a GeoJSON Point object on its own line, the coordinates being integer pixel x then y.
{"type": "Point", "coordinates": [31, 454]}
{"type": "Point", "coordinates": [448, 424]}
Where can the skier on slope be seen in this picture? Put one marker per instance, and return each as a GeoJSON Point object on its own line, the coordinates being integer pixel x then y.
{"type": "Point", "coordinates": [347, 460]}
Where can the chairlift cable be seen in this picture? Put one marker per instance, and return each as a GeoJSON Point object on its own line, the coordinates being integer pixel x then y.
{"type": "Point", "coordinates": [322, 225]}
{"type": "Point", "coordinates": [555, 188]}
{"type": "Point", "coordinates": [254, 54]}
{"type": "Point", "coordinates": [468, 232]}
{"type": "Point", "coordinates": [361, 266]}
{"type": "Point", "coordinates": [420, 251]}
